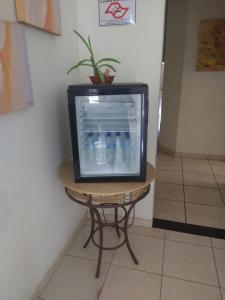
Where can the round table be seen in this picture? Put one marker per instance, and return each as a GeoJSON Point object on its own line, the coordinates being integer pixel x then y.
{"type": "Point", "coordinates": [104, 195]}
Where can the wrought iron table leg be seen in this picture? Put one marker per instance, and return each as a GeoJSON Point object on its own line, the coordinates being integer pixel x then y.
{"type": "Point", "coordinates": [116, 222]}
{"type": "Point", "coordinates": [91, 233]}
{"type": "Point", "coordinates": [126, 235]}
{"type": "Point", "coordinates": [100, 249]}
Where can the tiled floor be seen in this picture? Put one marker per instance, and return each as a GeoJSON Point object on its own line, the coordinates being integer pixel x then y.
{"type": "Point", "coordinates": [190, 191]}
{"type": "Point", "coordinates": [172, 266]}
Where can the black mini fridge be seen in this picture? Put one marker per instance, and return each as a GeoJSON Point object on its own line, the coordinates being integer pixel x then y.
{"type": "Point", "coordinates": [109, 131]}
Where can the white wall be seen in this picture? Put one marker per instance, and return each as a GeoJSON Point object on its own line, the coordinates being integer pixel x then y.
{"type": "Point", "coordinates": [201, 126]}
{"type": "Point", "coordinates": [176, 25]}
{"type": "Point", "coordinates": [139, 48]}
{"type": "Point", "coordinates": [36, 218]}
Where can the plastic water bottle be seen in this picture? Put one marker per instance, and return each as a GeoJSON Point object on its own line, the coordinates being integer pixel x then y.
{"type": "Point", "coordinates": [100, 149]}
{"type": "Point", "coordinates": [118, 150]}
{"type": "Point", "coordinates": [90, 147]}
{"type": "Point", "coordinates": [126, 147]}
{"type": "Point", "coordinates": [109, 148]}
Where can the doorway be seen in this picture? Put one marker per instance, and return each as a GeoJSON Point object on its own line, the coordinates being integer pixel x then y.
{"type": "Point", "coordinates": [190, 188]}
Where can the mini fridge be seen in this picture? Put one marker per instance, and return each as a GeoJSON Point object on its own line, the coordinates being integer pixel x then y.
{"type": "Point", "coordinates": [109, 131]}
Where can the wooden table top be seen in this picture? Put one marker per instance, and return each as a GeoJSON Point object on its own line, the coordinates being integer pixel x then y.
{"type": "Point", "coordinates": [102, 188]}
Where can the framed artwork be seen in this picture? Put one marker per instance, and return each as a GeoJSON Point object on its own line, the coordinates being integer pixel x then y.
{"type": "Point", "coordinates": [211, 51]}
{"type": "Point", "coordinates": [120, 12]}
{"type": "Point", "coordinates": [15, 81]}
{"type": "Point", "coordinates": [42, 14]}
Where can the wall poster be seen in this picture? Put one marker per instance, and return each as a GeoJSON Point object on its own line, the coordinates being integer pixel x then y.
{"type": "Point", "coordinates": [211, 51]}
{"type": "Point", "coordinates": [15, 80]}
{"type": "Point", "coordinates": [43, 14]}
{"type": "Point", "coordinates": [119, 12]}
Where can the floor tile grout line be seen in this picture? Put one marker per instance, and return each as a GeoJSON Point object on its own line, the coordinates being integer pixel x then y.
{"type": "Point", "coordinates": [217, 274]}
{"type": "Point", "coordinates": [187, 243]}
{"type": "Point", "coordinates": [200, 186]}
{"type": "Point", "coordinates": [163, 258]}
{"type": "Point", "coordinates": [217, 183]}
{"type": "Point", "coordinates": [103, 284]}
{"type": "Point", "coordinates": [190, 281]}
{"type": "Point", "coordinates": [185, 210]}
{"type": "Point", "coordinates": [164, 275]}
{"type": "Point", "coordinates": [222, 206]}
{"type": "Point", "coordinates": [144, 271]}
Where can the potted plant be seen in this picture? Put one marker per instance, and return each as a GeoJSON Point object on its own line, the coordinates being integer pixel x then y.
{"type": "Point", "coordinates": [99, 76]}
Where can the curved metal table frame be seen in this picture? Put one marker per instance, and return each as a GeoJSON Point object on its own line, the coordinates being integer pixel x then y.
{"type": "Point", "coordinates": [121, 225]}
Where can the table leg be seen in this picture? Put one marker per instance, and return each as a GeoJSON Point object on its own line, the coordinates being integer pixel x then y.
{"type": "Point", "coordinates": [126, 235]}
{"type": "Point", "coordinates": [116, 222]}
{"type": "Point", "coordinates": [100, 248]}
{"type": "Point", "coordinates": [91, 233]}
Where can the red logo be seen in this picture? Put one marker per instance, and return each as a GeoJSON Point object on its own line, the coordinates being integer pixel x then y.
{"type": "Point", "coordinates": [116, 10]}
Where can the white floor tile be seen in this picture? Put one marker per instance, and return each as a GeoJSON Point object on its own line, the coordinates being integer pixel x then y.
{"type": "Point", "coordinates": [200, 180]}
{"type": "Point", "coordinates": [169, 191]}
{"type": "Point", "coordinates": [125, 284]}
{"type": "Point", "coordinates": [218, 167]}
{"type": "Point", "coordinates": [188, 238]}
{"type": "Point", "coordinates": [169, 177]}
{"type": "Point", "coordinates": [174, 289]}
{"type": "Point", "coordinates": [149, 253]}
{"type": "Point", "coordinates": [218, 243]}
{"type": "Point", "coordinates": [148, 231]}
{"type": "Point", "coordinates": [199, 195]}
{"type": "Point", "coordinates": [197, 167]}
{"type": "Point", "coordinates": [91, 252]}
{"type": "Point", "coordinates": [167, 157]}
{"type": "Point", "coordinates": [173, 166]}
{"type": "Point", "coordinates": [220, 264]}
{"type": "Point", "coordinates": [221, 181]}
{"type": "Point", "coordinates": [211, 216]}
{"type": "Point", "coordinates": [223, 294]}
{"type": "Point", "coordinates": [75, 279]}
{"type": "Point", "coordinates": [169, 210]}
{"type": "Point", "coordinates": [190, 262]}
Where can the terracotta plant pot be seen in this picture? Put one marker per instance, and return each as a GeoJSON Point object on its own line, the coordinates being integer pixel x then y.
{"type": "Point", "coordinates": [97, 80]}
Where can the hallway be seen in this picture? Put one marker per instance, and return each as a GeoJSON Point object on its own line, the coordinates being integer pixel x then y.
{"type": "Point", "coordinates": [190, 191]}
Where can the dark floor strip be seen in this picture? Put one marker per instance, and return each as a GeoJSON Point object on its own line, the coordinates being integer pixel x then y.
{"type": "Point", "coordinates": [189, 228]}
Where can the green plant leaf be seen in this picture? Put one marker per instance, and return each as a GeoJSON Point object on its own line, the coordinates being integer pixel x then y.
{"type": "Point", "coordinates": [90, 45]}
{"type": "Point", "coordinates": [109, 66]}
{"type": "Point", "coordinates": [83, 40]}
{"type": "Point", "coordinates": [101, 76]}
{"type": "Point", "coordinates": [80, 64]}
{"type": "Point", "coordinates": [108, 59]}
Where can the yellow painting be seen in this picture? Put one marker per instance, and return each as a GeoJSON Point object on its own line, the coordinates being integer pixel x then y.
{"type": "Point", "coordinates": [15, 82]}
{"type": "Point", "coordinates": [211, 52]}
{"type": "Point", "coordinates": [43, 14]}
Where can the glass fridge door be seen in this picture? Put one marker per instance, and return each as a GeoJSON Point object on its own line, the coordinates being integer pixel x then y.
{"type": "Point", "coordinates": [109, 134]}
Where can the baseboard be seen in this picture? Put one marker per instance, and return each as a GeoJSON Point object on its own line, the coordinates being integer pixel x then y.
{"type": "Point", "coordinates": [189, 228]}
{"type": "Point", "coordinates": [57, 261]}
{"type": "Point", "coordinates": [191, 155]}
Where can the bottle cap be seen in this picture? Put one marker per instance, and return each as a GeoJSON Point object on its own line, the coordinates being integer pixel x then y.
{"type": "Point", "coordinates": [117, 133]}
{"type": "Point", "coordinates": [90, 133]}
{"type": "Point", "coordinates": [108, 134]}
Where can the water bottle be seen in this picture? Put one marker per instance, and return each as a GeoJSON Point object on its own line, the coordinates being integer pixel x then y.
{"type": "Point", "coordinates": [90, 147]}
{"type": "Point", "coordinates": [126, 147]}
{"type": "Point", "coordinates": [100, 149]}
{"type": "Point", "coordinates": [109, 148]}
{"type": "Point", "coordinates": [118, 150]}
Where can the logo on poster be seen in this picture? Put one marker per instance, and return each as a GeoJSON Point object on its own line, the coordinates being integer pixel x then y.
{"type": "Point", "coordinates": [116, 10]}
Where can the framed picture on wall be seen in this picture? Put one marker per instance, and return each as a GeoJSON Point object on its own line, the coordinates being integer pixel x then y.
{"type": "Point", "coordinates": [211, 51]}
{"type": "Point", "coordinates": [120, 12]}
{"type": "Point", "coordinates": [15, 81]}
{"type": "Point", "coordinates": [42, 14]}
